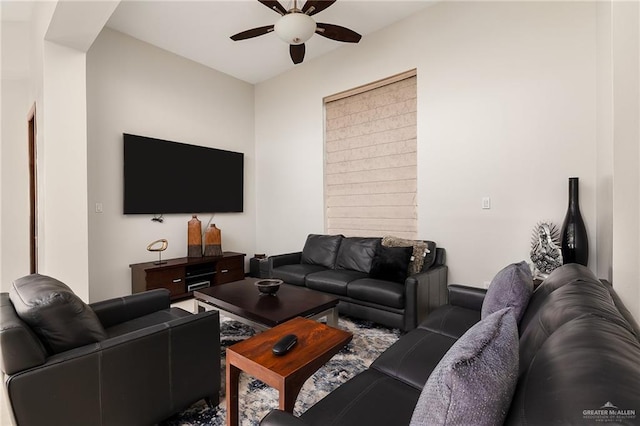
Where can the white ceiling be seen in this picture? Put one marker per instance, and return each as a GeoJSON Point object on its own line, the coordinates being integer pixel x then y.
{"type": "Point", "coordinates": [200, 30]}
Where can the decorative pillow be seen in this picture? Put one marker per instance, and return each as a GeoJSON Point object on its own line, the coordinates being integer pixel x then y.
{"type": "Point", "coordinates": [356, 253]}
{"type": "Point", "coordinates": [321, 250]}
{"type": "Point", "coordinates": [391, 263]}
{"type": "Point", "coordinates": [420, 250]}
{"type": "Point", "coordinates": [61, 319]}
{"type": "Point", "coordinates": [511, 287]}
{"type": "Point", "coordinates": [474, 382]}
{"type": "Point", "coordinates": [430, 256]}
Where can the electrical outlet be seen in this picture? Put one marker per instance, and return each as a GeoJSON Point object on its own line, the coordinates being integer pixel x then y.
{"type": "Point", "coordinates": [486, 203]}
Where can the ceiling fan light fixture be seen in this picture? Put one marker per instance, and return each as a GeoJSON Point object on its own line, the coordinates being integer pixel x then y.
{"type": "Point", "coordinates": [295, 28]}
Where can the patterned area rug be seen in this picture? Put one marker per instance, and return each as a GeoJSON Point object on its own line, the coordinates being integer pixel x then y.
{"type": "Point", "coordinates": [257, 399]}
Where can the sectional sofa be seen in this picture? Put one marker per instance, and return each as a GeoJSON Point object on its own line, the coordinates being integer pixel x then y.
{"type": "Point", "coordinates": [569, 354]}
{"type": "Point", "coordinates": [390, 281]}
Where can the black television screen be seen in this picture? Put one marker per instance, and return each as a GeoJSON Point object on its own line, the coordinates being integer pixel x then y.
{"type": "Point", "coordinates": [170, 177]}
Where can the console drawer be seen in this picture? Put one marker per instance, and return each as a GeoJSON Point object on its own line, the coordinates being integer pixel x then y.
{"type": "Point", "coordinates": [228, 270]}
{"type": "Point", "coordinates": [171, 279]}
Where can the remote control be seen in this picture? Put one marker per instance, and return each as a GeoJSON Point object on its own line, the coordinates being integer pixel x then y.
{"type": "Point", "coordinates": [283, 345]}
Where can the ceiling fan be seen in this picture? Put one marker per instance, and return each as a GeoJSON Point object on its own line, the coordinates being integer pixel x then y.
{"type": "Point", "coordinates": [296, 26]}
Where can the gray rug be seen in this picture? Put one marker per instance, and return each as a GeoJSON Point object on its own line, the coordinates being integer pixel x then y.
{"type": "Point", "coordinates": [257, 399]}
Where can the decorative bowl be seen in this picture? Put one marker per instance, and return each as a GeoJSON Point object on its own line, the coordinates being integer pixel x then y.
{"type": "Point", "coordinates": [268, 286]}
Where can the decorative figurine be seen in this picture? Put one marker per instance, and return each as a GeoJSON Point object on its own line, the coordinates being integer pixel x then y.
{"type": "Point", "coordinates": [163, 246]}
{"type": "Point", "coordinates": [546, 253]}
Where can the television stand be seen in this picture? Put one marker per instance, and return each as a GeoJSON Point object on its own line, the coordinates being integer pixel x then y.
{"type": "Point", "coordinates": [183, 275]}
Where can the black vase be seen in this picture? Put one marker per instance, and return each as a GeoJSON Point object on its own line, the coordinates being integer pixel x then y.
{"type": "Point", "coordinates": [574, 243]}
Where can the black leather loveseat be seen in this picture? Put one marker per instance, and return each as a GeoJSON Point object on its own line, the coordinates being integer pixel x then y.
{"type": "Point", "coordinates": [132, 360]}
{"type": "Point", "coordinates": [394, 286]}
{"type": "Point", "coordinates": [577, 361]}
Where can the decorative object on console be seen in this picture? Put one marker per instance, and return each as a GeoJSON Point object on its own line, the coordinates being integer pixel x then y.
{"type": "Point", "coordinates": [268, 286]}
{"type": "Point", "coordinates": [194, 237]}
{"type": "Point", "coordinates": [575, 244]}
{"type": "Point", "coordinates": [163, 246]}
{"type": "Point", "coordinates": [213, 241]}
{"type": "Point", "coordinates": [545, 254]}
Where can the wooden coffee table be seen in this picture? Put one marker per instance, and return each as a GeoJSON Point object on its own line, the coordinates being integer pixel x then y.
{"type": "Point", "coordinates": [242, 301]}
{"type": "Point", "coordinates": [317, 343]}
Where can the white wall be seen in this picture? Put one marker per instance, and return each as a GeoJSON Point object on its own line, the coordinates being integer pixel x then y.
{"type": "Point", "coordinates": [604, 146]}
{"type": "Point", "coordinates": [506, 109]}
{"type": "Point", "coordinates": [14, 189]}
{"type": "Point", "coordinates": [64, 172]}
{"type": "Point", "coordinates": [625, 35]}
{"type": "Point", "coordinates": [133, 87]}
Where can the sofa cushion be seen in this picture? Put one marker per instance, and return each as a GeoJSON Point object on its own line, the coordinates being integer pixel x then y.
{"type": "Point", "coordinates": [59, 318]}
{"type": "Point", "coordinates": [511, 287]}
{"type": "Point", "coordinates": [371, 398]}
{"type": "Point", "coordinates": [475, 380]}
{"type": "Point", "coordinates": [391, 263]}
{"type": "Point", "coordinates": [321, 250]}
{"type": "Point", "coordinates": [386, 293]}
{"type": "Point", "coordinates": [356, 253]}
{"type": "Point", "coordinates": [296, 273]}
{"type": "Point", "coordinates": [451, 320]}
{"type": "Point", "coordinates": [333, 281]}
{"type": "Point", "coordinates": [413, 357]}
{"type": "Point", "coordinates": [585, 364]}
{"type": "Point", "coordinates": [576, 299]}
{"type": "Point", "coordinates": [420, 251]}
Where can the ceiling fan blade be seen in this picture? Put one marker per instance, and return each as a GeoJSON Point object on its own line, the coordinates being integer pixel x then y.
{"type": "Point", "coordinates": [297, 52]}
{"type": "Point", "coordinates": [274, 5]}
{"type": "Point", "coordinates": [336, 32]}
{"type": "Point", "coordinates": [254, 32]}
{"type": "Point", "coordinates": [311, 7]}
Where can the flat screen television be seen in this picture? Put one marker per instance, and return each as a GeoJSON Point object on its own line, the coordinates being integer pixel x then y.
{"type": "Point", "coordinates": [169, 177]}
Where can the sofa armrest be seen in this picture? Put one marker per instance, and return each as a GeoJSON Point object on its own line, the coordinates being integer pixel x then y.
{"type": "Point", "coordinates": [424, 292]}
{"type": "Point", "coordinates": [281, 418]}
{"type": "Point", "coordinates": [120, 309]}
{"type": "Point", "coordinates": [23, 348]}
{"type": "Point", "coordinates": [466, 297]}
{"type": "Point", "coordinates": [284, 259]}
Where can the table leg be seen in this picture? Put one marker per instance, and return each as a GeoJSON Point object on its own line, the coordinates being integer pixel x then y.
{"type": "Point", "coordinates": [288, 396]}
{"type": "Point", "coordinates": [233, 375]}
{"type": "Point", "coordinates": [332, 318]}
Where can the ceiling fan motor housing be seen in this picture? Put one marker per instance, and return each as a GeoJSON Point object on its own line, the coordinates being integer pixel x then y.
{"type": "Point", "coordinates": [295, 28]}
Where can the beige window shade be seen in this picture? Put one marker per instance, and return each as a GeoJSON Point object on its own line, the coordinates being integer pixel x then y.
{"type": "Point", "coordinates": [370, 159]}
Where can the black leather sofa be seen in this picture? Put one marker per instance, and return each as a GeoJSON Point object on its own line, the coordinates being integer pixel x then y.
{"type": "Point", "coordinates": [341, 266]}
{"type": "Point", "coordinates": [132, 360]}
{"type": "Point", "coordinates": [579, 361]}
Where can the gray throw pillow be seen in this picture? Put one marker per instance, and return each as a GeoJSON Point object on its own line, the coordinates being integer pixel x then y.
{"type": "Point", "coordinates": [474, 382]}
{"type": "Point", "coordinates": [61, 319]}
{"type": "Point", "coordinates": [511, 287]}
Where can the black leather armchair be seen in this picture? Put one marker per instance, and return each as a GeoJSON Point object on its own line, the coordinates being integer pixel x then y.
{"type": "Point", "coordinates": [153, 361]}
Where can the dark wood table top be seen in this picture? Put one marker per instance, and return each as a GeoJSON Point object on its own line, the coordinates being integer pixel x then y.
{"type": "Point", "coordinates": [242, 298]}
{"type": "Point", "coordinates": [317, 343]}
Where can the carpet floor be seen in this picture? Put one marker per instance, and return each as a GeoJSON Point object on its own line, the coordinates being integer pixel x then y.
{"type": "Point", "coordinates": [256, 399]}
